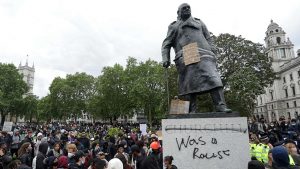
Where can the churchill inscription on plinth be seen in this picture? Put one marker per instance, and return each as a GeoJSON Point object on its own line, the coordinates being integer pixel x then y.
{"type": "Point", "coordinates": [202, 143]}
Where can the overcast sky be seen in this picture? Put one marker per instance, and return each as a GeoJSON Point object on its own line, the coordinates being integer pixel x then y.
{"type": "Point", "coordinates": [67, 36]}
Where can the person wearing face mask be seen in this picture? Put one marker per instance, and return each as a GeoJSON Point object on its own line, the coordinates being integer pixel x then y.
{"type": "Point", "coordinates": [79, 160]}
{"type": "Point", "coordinates": [293, 152]}
{"type": "Point", "coordinates": [37, 143]}
{"type": "Point", "coordinates": [272, 133]}
{"type": "Point", "coordinates": [283, 124]}
{"type": "Point", "coordinates": [293, 126]}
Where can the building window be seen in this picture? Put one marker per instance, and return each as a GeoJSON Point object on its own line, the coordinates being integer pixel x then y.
{"type": "Point", "coordinates": [260, 109]}
{"type": "Point", "coordinates": [287, 105]}
{"type": "Point", "coordinates": [295, 103]}
{"type": "Point", "coordinates": [282, 53]}
{"type": "Point", "coordinates": [271, 93]}
{"type": "Point", "coordinates": [286, 93]}
{"type": "Point", "coordinates": [289, 115]}
{"type": "Point", "coordinates": [293, 90]}
{"type": "Point", "coordinates": [278, 39]}
{"type": "Point", "coordinates": [273, 115]}
{"type": "Point", "coordinates": [296, 114]}
{"type": "Point", "coordinates": [260, 100]}
{"type": "Point", "coordinates": [298, 73]}
{"type": "Point", "coordinates": [272, 106]}
{"type": "Point", "coordinates": [291, 77]}
{"type": "Point", "coordinates": [284, 81]}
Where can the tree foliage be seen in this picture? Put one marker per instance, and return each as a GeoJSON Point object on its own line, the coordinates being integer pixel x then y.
{"type": "Point", "coordinates": [70, 96]}
{"type": "Point", "coordinates": [45, 109]}
{"type": "Point", "coordinates": [137, 88]}
{"type": "Point", "coordinates": [30, 109]}
{"type": "Point", "coordinates": [12, 88]}
{"type": "Point", "coordinates": [245, 70]}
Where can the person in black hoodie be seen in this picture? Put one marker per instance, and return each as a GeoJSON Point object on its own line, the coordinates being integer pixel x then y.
{"type": "Point", "coordinates": [111, 149]}
{"type": "Point", "coordinates": [78, 162]}
{"type": "Point", "coordinates": [136, 157]}
{"type": "Point", "coordinates": [43, 148]}
{"type": "Point", "coordinates": [85, 142]}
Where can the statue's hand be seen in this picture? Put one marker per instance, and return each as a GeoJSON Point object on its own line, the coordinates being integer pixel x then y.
{"type": "Point", "coordinates": [166, 64]}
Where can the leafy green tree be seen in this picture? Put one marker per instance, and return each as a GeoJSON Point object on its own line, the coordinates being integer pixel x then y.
{"type": "Point", "coordinates": [12, 88]}
{"type": "Point", "coordinates": [30, 107]}
{"type": "Point", "coordinates": [137, 88]}
{"type": "Point", "coordinates": [149, 89]}
{"type": "Point", "coordinates": [70, 96]}
{"type": "Point", "coordinates": [45, 109]}
{"type": "Point", "coordinates": [112, 97]}
{"type": "Point", "coordinates": [246, 70]}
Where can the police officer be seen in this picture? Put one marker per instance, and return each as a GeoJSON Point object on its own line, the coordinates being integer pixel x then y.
{"type": "Point", "coordinates": [263, 148]}
{"type": "Point", "coordinates": [253, 144]}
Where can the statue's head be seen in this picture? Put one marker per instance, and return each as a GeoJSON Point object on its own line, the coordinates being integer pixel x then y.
{"type": "Point", "coordinates": [184, 11]}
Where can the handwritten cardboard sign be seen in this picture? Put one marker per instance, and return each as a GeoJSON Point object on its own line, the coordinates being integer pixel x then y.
{"type": "Point", "coordinates": [7, 126]}
{"type": "Point", "coordinates": [202, 143]}
{"type": "Point", "coordinates": [191, 54]}
{"type": "Point", "coordinates": [143, 128]}
{"type": "Point", "coordinates": [179, 107]}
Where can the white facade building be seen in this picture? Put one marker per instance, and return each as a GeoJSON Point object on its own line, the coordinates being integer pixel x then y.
{"type": "Point", "coordinates": [28, 75]}
{"type": "Point", "coordinates": [282, 98]}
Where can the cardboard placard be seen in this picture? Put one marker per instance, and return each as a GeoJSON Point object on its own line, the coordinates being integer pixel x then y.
{"type": "Point", "coordinates": [179, 107]}
{"type": "Point", "coordinates": [143, 129]}
{"type": "Point", "coordinates": [191, 54]}
{"type": "Point", "coordinates": [7, 126]}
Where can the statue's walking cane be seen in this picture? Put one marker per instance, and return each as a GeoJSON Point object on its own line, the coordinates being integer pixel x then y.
{"type": "Point", "coordinates": [167, 87]}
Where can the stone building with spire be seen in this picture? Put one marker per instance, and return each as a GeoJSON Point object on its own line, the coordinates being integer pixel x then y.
{"type": "Point", "coordinates": [28, 75]}
{"type": "Point", "coordinates": [282, 98]}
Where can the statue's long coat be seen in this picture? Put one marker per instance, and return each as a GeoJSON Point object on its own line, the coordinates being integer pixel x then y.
{"type": "Point", "coordinates": [198, 77]}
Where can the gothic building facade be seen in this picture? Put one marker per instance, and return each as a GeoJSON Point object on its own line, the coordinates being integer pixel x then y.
{"type": "Point", "coordinates": [282, 98]}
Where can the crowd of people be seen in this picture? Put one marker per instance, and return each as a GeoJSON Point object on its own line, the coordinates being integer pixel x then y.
{"type": "Point", "coordinates": [58, 146]}
{"type": "Point", "coordinates": [274, 145]}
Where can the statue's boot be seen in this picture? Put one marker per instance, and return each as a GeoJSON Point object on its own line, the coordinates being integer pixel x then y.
{"type": "Point", "coordinates": [193, 104]}
{"type": "Point", "coordinates": [217, 96]}
{"type": "Point", "coordinates": [192, 98]}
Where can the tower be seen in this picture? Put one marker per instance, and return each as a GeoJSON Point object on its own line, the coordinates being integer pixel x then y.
{"type": "Point", "coordinates": [278, 47]}
{"type": "Point", "coordinates": [28, 75]}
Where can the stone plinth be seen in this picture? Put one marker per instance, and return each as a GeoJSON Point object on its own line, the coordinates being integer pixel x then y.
{"type": "Point", "coordinates": [202, 143]}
